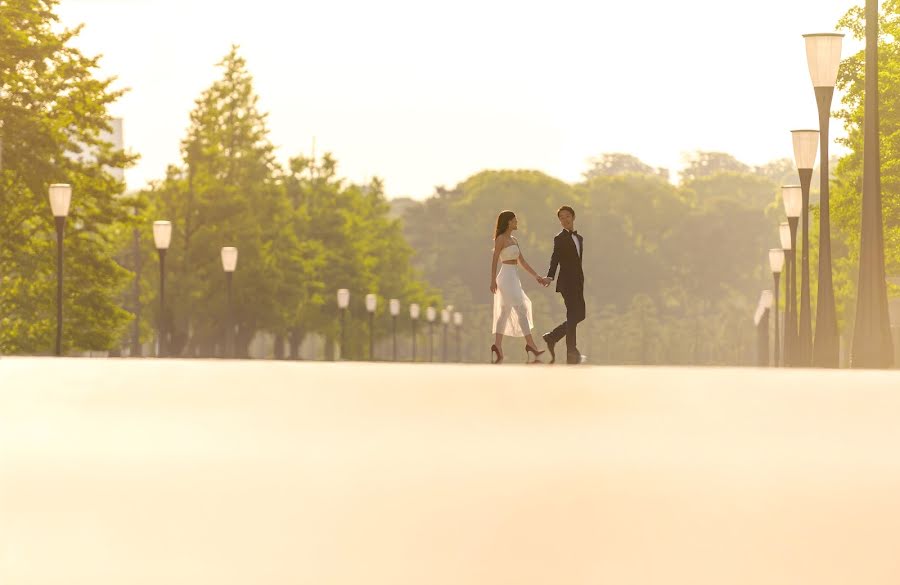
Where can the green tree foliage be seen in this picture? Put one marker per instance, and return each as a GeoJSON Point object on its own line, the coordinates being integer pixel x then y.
{"type": "Point", "coordinates": [846, 187]}
{"type": "Point", "coordinates": [669, 279]}
{"type": "Point", "coordinates": [302, 232]}
{"type": "Point", "coordinates": [53, 111]}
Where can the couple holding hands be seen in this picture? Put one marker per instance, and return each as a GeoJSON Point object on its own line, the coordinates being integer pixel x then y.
{"type": "Point", "coordinates": [512, 307]}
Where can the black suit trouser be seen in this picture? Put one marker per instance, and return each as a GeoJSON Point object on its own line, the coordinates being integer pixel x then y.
{"type": "Point", "coordinates": [575, 313]}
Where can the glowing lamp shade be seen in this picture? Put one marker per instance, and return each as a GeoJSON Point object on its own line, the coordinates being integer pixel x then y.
{"type": "Point", "coordinates": [343, 298]}
{"type": "Point", "coordinates": [806, 146]}
{"type": "Point", "coordinates": [229, 258]}
{"type": "Point", "coordinates": [162, 234]}
{"type": "Point", "coordinates": [823, 55]}
{"type": "Point", "coordinates": [784, 233]}
{"type": "Point", "coordinates": [431, 313]}
{"type": "Point", "coordinates": [776, 260]}
{"type": "Point", "coordinates": [457, 319]}
{"type": "Point", "coordinates": [414, 311]}
{"type": "Point", "coordinates": [371, 302]}
{"type": "Point", "coordinates": [60, 197]}
{"type": "Point", "coordinates": [445, 317]}
{"type": "Point", "coordinates": [395, 307]}
{"type": "Point", "coordinates": [792, 195]}
{"type": "Point", "coordinates": [766, 299]}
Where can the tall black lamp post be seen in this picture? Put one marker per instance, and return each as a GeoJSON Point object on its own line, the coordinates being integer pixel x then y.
{"type": "Point", "coordinates": [229, 264]}
{"type": "Point", "coordinates": [784, 233]}
{"type": "Point", "coordinates": [792, 197]}
{"type": "Point", "coordinates": [823, 55]}
{"type": "Point", "coordinates": [872, 343]}
{"type": "Point", "coordinates": [806, 144]}
{"type": "Point", "coordinates": [445, 319]}
{"type": "Point", "coordinates": [162, 237]}
{"type": "Point", "coordinates": [60, 198]}
{"type": "Point", "coordinates": [414, 311]}
{"type": "Point", "coordinates": [371, 305]}
{"type": "Point", "coordinates": [431, 314]}
{"type": "Point", "coordinates": [776, 264]}
{"type": "Point", "coordinates": [343, 301]}
{"type": "Point", "coordinates": [458, 321]}
{"type": "Point", "coordinates": [761, 320]}
{"type": "Point", "coordinates": [395, 310]}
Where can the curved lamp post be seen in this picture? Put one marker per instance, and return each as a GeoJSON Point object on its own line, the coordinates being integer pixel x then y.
{"type": "Point", "coordinates": [806, 143]}
{"type": "Point", "coordinates": [872, 343]}
{"type": "Point", "coordinates": [776, 264]}
{"type": "Point", "coordinates": [371, 305]}
{"type": "Point", "coordinates": [343, 301]}
{"type": "Point", "coordinates": [229, 263]}
{"type": "Point", "coordinates": [458, 320]}
{"type": "Point", "coordinates": [60, 198]}
{"type": "Point", "coordinates": [823, 55]}
{"type": "Point", "coordinates": [414, 318]}
{"type": "Point", "coordinates": [792, 196]}
{"type": "Point", "coordinates": [162, 237]}
{"type": "Point", "coordinates": [430, 314]}
{"type": "Point", "coordinates": [395, 310]}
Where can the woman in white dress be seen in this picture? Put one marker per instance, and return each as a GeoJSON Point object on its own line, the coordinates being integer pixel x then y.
{"type": "Point", "coordinates": [512, 307]}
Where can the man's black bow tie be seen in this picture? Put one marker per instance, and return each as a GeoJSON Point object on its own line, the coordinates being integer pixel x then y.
{"type": "Point", "coordinates": [573, 232]}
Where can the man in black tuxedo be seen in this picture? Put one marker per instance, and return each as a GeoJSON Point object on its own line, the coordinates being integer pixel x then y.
{"type": "Point", "coordinates": [568, 252]}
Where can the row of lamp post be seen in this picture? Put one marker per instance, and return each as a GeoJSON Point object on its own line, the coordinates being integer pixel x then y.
{"type": "Point", "coordinates": [872, 344]}
{"type": "Point", "coordinates": [448, 316]}
{"type": "Point", "coordinates": [162, 238]}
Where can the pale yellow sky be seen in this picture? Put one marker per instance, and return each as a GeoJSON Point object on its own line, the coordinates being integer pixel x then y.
{"type": "Point", "coordinates": [425, 93]}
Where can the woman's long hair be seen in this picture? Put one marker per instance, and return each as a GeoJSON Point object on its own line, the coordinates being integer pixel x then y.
{"type": "Point", "coordinates": [503, 222]}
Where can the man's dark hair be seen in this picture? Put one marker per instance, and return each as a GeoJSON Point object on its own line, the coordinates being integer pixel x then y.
{"type": "Point", "coordinates": [565, 208]}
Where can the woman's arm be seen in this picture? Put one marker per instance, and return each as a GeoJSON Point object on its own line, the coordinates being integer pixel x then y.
{"type": "Point", "coordinates": [498, 246]}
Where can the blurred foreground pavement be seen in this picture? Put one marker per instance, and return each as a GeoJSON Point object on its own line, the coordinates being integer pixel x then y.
{"type": "Point", "coordinates": [140, 472]}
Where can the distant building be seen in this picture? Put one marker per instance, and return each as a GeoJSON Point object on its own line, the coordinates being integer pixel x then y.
{"type": "Point", "coordinates": [116, 138]}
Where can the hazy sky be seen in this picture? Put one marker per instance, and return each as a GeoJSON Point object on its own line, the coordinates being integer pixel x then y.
{"type": "Point", "coordinates": [427, 93]}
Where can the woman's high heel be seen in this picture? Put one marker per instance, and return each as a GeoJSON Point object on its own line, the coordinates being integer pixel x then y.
{"type": "Point", "coordinates": [529, 351]}
{"type": "Point", "coordinates": [496, 351]}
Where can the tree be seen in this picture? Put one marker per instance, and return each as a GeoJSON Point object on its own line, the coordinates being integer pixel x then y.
{"type": "Point", "coordinates": [53, 109]}
{"type": "Point", "coordinates": [611, 164]}
{"type": "Point", "coordinates": [846, 189]}
{"type": "Point", "coordinates": [704, 164]}
{"type": "Point", "coordinates": [227, 193]}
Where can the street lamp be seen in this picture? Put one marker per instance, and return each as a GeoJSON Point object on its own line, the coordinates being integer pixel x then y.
{"type": "Point", "coordinates": [457, 320]}
{"type": "Point", "coordinates": [776, 264]}
{"type": "Point", "coordinates": [872, 344]}
{"type": "Point", "coordinates": [60, 198]}
{"type": "Point", "coordinates": [784, 235]}
{"type": "Point", "coordinates": [414, 318]}
{"type": "Point", "coordinates": [395, 310]}
{"type": "Point", "coordinates": [430, 314]}
{"type": "Point", "coordinates": [761, 320]}
{"type": "Point", "coordinates": [806, 143]}
{"type": "Point", "coordinates": [162, 237]}
{"type": "Point", "coordinates": [823, 55]}
{"type": "Point", "coordinates": [229, 263]}
{"type": "Point", "coordinates": [445, 319]}
{"type": "Point", "coordinates": [343, 301]}
{"type": "Point", "coordinates": [792, 196]}
{"type": "Point", "coordinates": [371, 304]}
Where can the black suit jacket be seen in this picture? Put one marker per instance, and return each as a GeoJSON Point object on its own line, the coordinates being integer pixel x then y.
{"type": "Point", "coordinates": [566, 257]}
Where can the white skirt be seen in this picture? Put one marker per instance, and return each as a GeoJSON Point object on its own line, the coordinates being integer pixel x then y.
{"type": "Point", "coordinates": [512, 307]}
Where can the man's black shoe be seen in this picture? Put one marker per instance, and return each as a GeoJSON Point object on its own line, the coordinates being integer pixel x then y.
{"type": "Point", "coordinates": [574, 357]}
{"type": "Point", "coordinates": [550, 345]}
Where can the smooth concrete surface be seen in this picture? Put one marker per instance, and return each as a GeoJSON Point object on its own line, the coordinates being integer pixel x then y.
{"type": "Point", "coordinates": [140, 472]}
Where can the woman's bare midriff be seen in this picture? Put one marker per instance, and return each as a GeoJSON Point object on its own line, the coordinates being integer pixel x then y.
{"type": "Point", "coordinates": [510, 261]}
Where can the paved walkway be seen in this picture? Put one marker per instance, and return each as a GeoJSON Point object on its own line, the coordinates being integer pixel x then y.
{"type": "Point", "coordinates": [193, 472]}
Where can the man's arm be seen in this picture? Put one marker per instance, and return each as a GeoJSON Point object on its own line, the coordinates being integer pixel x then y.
{"type": "Point", "coordinates": [554, 259]}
